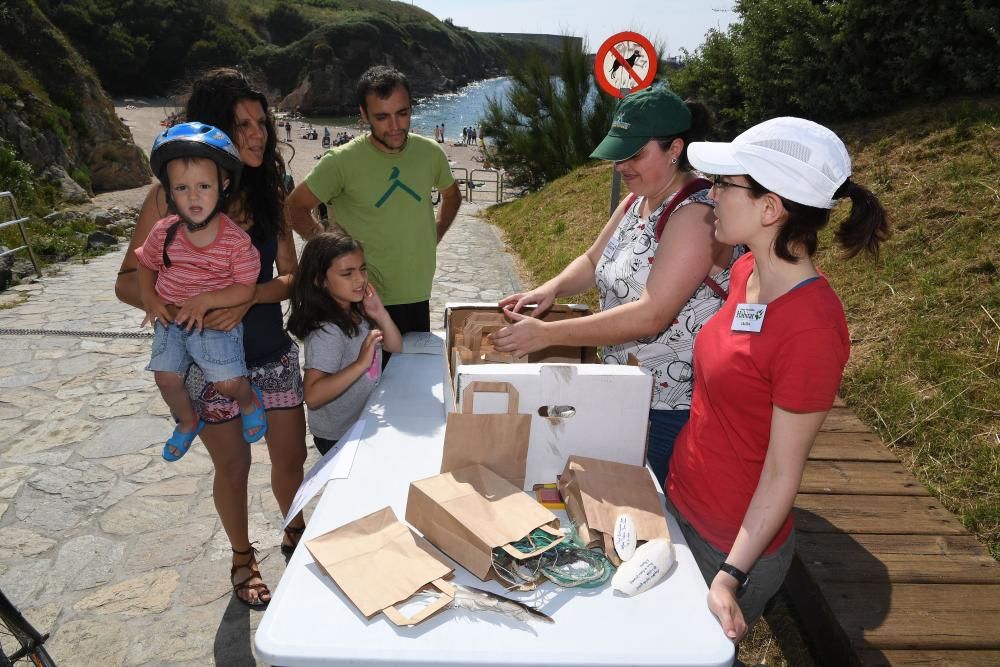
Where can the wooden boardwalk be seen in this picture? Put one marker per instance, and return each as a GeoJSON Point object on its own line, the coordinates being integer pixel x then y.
{"type": "Point", "coordinates": [884, 574]}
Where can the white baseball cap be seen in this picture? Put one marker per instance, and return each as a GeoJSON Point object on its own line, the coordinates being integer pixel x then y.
{"type": "Point", "coordinates": [795, 158]}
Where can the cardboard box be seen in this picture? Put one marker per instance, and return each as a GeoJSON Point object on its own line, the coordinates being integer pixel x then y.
{"type": "Point", "coordinates": [588, 409]}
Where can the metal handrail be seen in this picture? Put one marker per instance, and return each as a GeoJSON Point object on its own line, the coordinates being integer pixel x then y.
{"type": "Point", "coordinates": [19, 221]}
{"type": "Point", "coordinates": [464, 179]}
{"type": "Point", "coordinates": [495, 180]}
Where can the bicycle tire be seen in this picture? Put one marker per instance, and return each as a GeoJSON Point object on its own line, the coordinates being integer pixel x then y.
{"type": "Point", "coordinates": [20, 643]}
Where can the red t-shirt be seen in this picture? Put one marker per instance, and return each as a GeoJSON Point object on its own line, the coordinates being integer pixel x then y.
{"type": "Point", "coordinates": [795, 362]}
{"type": "Point", "coordinates": [230, 259]}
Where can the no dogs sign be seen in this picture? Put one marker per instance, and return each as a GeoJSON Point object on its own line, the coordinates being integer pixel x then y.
{"type": "Point", "coordinates": [625, 61]}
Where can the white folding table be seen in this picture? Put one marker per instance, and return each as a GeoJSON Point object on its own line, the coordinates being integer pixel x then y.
{"type": "Point", "coordinates": [310, 622]}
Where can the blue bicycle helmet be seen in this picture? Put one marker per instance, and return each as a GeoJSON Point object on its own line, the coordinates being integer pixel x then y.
{"type": "Point", "coordinates": [196, 140]}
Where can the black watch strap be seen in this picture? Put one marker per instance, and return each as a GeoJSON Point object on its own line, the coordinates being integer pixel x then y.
{"type": "Point", "coordinates": [736, 573]}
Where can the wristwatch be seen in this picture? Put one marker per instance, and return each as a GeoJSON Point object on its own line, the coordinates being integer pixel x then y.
{"type": "Point", "coordinates": [741, 577]}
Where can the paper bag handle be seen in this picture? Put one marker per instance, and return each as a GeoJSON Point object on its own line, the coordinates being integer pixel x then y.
{"type": "Point", "coordinates": [519, 555]}
{"type": "Point", "coordinates": [476, 344]}
{"type": "Point", "coordinates": [490, 388]}
{"type": "Point", "coordinates": [447, 595]}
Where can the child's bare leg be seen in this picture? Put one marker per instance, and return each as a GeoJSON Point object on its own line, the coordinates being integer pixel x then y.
{"type": "Point", "coordinates": [171, 386]}
{"type": "Point", "coordinates": [239, 390]}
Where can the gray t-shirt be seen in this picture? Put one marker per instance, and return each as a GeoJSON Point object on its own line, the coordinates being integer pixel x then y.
{"type": "Point", "coordinates": [329, 350]}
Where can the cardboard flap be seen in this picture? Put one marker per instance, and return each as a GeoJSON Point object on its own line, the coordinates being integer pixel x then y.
{"type": "Point", "coordinates": [377, 561]}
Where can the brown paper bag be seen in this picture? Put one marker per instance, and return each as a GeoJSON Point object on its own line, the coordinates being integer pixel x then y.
{"type": "Point", "coordinates": [378, 562]}
{"type": "Point", "coordinates": [597, 491]}
{"type": "Point", "coordinates": [496, 441]}
{"type": "Point", "coordinates": [469, 512]}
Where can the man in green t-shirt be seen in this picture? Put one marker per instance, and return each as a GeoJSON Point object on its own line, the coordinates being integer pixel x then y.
{"type": "Point", "coordinates": [378, 188]}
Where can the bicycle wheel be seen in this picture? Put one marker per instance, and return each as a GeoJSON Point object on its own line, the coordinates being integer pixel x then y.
{"type": "Point", "coordinates": [20, 643]}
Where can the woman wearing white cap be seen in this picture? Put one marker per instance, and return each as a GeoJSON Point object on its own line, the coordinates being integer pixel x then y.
{"type": "Point", "coordinates": [768, 365]}
{"type": "Point", "coordinates": [658, 270]}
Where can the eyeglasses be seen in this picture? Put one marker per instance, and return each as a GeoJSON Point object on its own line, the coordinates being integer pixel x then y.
{"type": "Point", "coordinates": [723, 184]}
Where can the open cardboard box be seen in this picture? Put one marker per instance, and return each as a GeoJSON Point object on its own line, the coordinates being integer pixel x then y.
{"type": "Point", "coordinates": [577, 404]}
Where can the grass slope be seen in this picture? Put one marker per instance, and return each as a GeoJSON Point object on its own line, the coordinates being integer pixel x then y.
{"type": "Point", "coordinates": [925, 319]}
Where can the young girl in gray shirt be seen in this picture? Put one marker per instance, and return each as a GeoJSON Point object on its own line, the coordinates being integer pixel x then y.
{"type": "Point", "coordinates": [340, 316]}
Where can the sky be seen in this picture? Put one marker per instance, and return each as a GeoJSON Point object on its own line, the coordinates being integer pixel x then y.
{"type": "Point", "coordinates": [675, 24]}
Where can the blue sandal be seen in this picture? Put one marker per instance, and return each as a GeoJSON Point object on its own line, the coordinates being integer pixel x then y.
{"type": "Point", "coordinates": [180, 441]}
{"type": "Point", "coordinates": [256, 419]}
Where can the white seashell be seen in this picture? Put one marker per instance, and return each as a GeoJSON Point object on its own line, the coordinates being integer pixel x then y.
{"type": "Point", "coordinates": [647, 566]}
{"type": "Point", "coordinates": [624, 536]}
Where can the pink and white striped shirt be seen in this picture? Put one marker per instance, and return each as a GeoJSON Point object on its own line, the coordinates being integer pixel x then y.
{"type": "Point", "coordinates": [230, 259]}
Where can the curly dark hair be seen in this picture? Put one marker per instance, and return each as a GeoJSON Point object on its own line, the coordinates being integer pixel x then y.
{"type": "Point", "coordinates": [212, 99]}
{"type": "Point", "coordinates": [312, 305]}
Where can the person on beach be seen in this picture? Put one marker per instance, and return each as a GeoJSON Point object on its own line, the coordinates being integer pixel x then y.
{"type": "Point", "coordinates": [226, 99]}
{"type": "Point", "coordinates": [659, 271]}
{"type": "Point", "coordinates": [197, 259]}
{"type": "Point", "coordinates": [378, 187]}
{"type": "Point", "coordinates": [339, 316]}
{"type": "Point", "coordinates": [769, 364]}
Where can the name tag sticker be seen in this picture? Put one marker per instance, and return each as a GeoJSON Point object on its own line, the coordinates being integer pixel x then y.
{"type": "Point", "coordinates": [609, 251]}
{"type": "Point", "coordinates": [749, 317]}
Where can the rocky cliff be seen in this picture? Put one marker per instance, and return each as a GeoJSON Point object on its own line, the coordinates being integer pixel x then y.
{"type": "Point", "coordinates": [55, 112]}
{"type": "Point", "coordinates": [318, 72]}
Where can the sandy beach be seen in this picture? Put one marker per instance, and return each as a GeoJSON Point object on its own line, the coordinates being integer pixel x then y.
{"type": "Point", "coordinates": [143, 117]}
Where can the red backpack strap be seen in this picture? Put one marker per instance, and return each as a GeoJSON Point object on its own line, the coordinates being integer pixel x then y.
{"type": "Point", "coordinates": [689, 189]}
{"type": "Point", "coordinates": [716, 287]}
{"type": "Point", "coordinates": [682, 194]}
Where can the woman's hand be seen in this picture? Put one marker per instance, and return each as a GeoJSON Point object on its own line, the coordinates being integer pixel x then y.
{"type": "Point", "coordinates": [541, 297]}
{"type": "Point", "coordinates": [525, 335]}
{"type": "Point", "coordinates": [367, 352]}
{"type": "Point", "coordinates": [225, 319]}
{"type": "Point", "coordinates": [722, 602]}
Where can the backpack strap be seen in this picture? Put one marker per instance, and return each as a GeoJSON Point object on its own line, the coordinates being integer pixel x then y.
{"type": "Point", "coordinates": [689, 189]}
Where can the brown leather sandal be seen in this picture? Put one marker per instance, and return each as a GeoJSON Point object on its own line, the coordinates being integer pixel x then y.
{"type": "Point", "coordinates": [260, 588]}
{"type": "Point", "coordinates": [294, 534]}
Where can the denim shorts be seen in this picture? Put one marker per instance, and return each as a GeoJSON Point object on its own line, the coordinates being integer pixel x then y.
{"type": "Point", "coordinates": [218, 353]}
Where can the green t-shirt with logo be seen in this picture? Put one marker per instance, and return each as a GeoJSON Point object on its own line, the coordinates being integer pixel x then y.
{"type": "Point", "coordinates": [384, 201]}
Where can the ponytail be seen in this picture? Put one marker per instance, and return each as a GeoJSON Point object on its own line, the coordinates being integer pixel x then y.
{"type": "Point", "coordinates": [866, 227]}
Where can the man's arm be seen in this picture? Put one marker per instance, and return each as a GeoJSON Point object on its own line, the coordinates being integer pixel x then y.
{"type": "Point", "coordinates": [451, 199]}
{"type": "Point", "coordinates": [298, 211]}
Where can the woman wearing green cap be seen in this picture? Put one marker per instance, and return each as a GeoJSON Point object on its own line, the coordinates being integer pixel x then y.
{"type": "Point", "coordinates": [658, 269]}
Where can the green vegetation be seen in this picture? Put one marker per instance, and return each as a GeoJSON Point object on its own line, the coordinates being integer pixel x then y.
{"type": "Point", "coordinates": [547, 126]}
{"type": "Point", "coordinates": [149, 46]}
{"type": "Point", "coordinates": [924, 319]}
{"type": "Point", "coordinates": [842, 59]}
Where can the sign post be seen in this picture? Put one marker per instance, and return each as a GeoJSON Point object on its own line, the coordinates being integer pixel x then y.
{"type": "Point", "coordinates": [625, 63]}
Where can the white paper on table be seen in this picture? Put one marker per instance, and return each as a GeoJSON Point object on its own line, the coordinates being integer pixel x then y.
{"type": "Point", "coordinates": [335, 464]}
{"type": "Point", "coordinates": [423, 342]}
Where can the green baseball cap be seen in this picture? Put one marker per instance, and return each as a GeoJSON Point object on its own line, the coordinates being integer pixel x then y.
{"type": "Point", "coordinates": [652, 112]}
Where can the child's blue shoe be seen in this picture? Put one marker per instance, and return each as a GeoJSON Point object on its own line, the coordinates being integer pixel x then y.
{"type": "Point", "coordinates": [180, 442]}
{"type": "Point", "coordinates": [256, 419]}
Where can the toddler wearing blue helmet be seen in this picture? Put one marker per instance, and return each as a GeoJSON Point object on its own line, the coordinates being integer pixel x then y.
{"type": "Point", "coordinates": [195, 260]}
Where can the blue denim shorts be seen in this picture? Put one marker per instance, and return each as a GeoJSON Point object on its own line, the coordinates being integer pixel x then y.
{"type": "Point", "coordinates": [218, 353]}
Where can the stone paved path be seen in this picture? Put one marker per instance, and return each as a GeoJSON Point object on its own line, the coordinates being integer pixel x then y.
{"type": "Point", "coordinates": [116, 553]}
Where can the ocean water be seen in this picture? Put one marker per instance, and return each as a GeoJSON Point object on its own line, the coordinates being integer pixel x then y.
{"type": "Point", "coordinates": [456, 110]}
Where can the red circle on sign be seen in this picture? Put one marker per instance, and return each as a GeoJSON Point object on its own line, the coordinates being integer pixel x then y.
{"type": "Point", "coordinates": [608, 47]}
